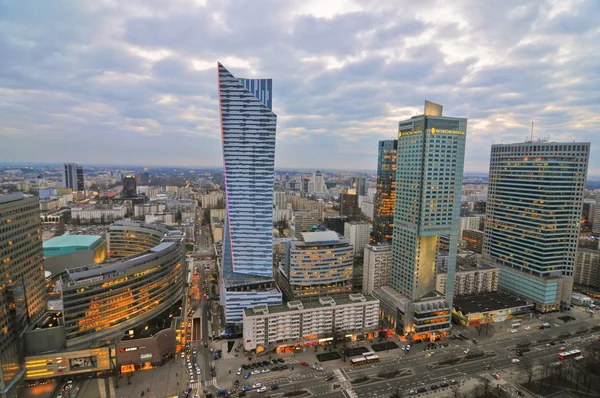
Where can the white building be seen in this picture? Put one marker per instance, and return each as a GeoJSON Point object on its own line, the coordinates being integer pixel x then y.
{"type": "Point", "coordinates": [212, 199]}
{"type": "Point", "coordinates": [99, 213]}
{"type": "Point", "coordinates": [309, 322]}
{"type": "Point", "coordinates": [359, 235]}
{"type": "Point", "coordinates": [154, 207]}
{"type": "Point", "coordinates": [164, 218]}
{"type": "Point", "coordinates": [470, 280]}
{"type": "Point", "coordinates": [469, 223]}
{"type": "Point", "coordinates": [376, 267]}
{"type": "Point", "coordinates": [367, 208]}
{"type": "Point", "coordinates": [279, 200]}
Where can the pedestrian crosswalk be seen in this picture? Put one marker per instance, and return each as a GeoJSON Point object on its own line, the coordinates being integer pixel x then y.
{"type": "Point", "coordinates": [345, 383]}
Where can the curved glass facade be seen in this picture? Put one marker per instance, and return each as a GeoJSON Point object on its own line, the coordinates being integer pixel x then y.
{"type": "Point", "coordinates": [103, 299]}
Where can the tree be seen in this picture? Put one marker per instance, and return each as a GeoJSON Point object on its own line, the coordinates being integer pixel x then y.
{"type": "Point", "coordinates": [455, 392]}
{"type": "Point", "coordinates": [480, 327]}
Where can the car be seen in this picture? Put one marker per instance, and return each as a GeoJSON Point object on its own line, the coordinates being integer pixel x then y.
{"type": "Point", "coordinates": [421, 389]}
{"type": "Point", "coordinates": [241, 394]}
{"type": "Point", "coordinates": [255, 372]}
{"type": "Point", "coordinates": [274, 387]}
{"type": "Point", "coordinates": [515, 361]}
{"type": "Point", "coordinates": [561, 348]}
{"type": "Point", "coordinates": [466, 351]}
{"type": "Point", "coordinates": [245, 367]}
{"type": "Point", "coordinates": [284, 367]}
{"type": "Point", "coordinates": [182, 354]}
{"type": "Point", "coordinates": [497, 376]}
{"type": "Point", "coordinates": [430, 354]}
{"type": "Point", "coordinates": [257, 385]}
{"type": "Point", "coordinates": [412, 392]}
{"type": "Point", "coordinates": [444, 384]}
{"type": "Point", "coordinates": [198, 371]}
{"type": "Point", "coordinates": [453, 381]}
{"type": "Point", "coordinates": [563, 342]}
{"type": "Point", "coordinates": [520, 393]}
{"type": "Point", "coordinates": [303, 363]}
{"type": "Point", "coordinates": [275, 369]}
{"type": "Point", "coordinates": [527, 328]}
{"type": "Point", "coordinates": [513, 330]}
{"type": "Point", "coordinates": [194, 351]}
{"type": "Point", "coordinates": [487, 367]}
{"type": "Point", "coordinates": [247, 388]}
{"type": "Point", "coordinates": [329, 378]}
{"type": "Point", "coordinates": [403, 347]}
{"type": "Point", "coordinates": [548, 345]}
{"type": "Point", "coordinates": [265, 371]}
{"type": "Point", "coordinates": [262, 389]}
{"type": "Point", "coordinates": [265, 363]}
{"type": "Point", "coordinates": [434, 387]}
{"type": "Point", "coordinates": [239, 371]}
{"type": "Point", "coordinates": [280, 360]}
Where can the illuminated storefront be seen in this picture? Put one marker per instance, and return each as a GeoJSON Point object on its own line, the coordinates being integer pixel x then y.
{"type": "Point", "coordinates": [67, 363]}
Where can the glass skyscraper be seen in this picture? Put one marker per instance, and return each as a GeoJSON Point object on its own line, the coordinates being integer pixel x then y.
{"type": "Point", "coordinates": [429, 173]}
{"type": "Point", "coordinates": [385, 197]}
{"type": "Point", "coordinates": [535, 197]}
{"type": "Point", "coordinates": [248, 126]}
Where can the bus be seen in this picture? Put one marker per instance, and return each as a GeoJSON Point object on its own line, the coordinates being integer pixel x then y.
{"type": "Point", "coordinates": [569, 354]}
{"type": "Point", "coordinates": [515, 325]}
{"type": "Point", "coordinates": [368, 354]}
{"type": "Point", "coordinates": [372, 358]}
{"type": "Point", "coordinates": [358, 361]}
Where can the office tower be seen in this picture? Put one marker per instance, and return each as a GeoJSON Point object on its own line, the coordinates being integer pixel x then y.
{"type": "Point", "coordinates": [535, 197]}
{"type": "Point", "coordinates": [248, 134]}
{"type": "Point", "coordinates": [73, 177]}
{"type": "Point", "coordinates": [129, 186]}
{"type": "Point", "coordinates": [360, 184]}
{"type": "Point", "coordinates": [303, 220]}
{"type": "Point", "coordinates": [359, 235]}
{"type": "Point", "coordinates": [319, 264]}
{"type": "Point", "coordinates": [586, 273]}
{"type": "Point", "coordinates": [23, 297]}
{"type": "Point", "coordinates": [336, 223]}
{"type": "Point", "coordinates": [385, 197]}
{"type": "Point", "coordinates": [318, 182]}
{"type": "Point", "coordinates": [596, 219]}
{"type": "Point", "coordinates": [349, 205]}
{"type": "Point", "coordinates": [376, 267]}
{"type": "Point", "coordinates": [429, 175]}
{"type": "Point", "coordinates": [305, 184]}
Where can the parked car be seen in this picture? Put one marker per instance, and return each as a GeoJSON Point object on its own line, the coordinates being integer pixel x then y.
{"type": "Point", "coordinates": [329, 378]}
{"type": "Point", "coordinates": [262, 389]}
{"type": "Point", "coordinates": [304, 363]}
{"type": "Point", "coordinates": [239, 371]}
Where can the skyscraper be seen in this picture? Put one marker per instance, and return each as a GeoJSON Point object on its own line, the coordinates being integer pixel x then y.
{"type": "Point", "coordinates": [248, 127]}
{"type": "Point", "coordinates": [535, 197]}
{"type": "Point", "coordinates": [129, 186]}
{"type": "Point", "coordinates": [430, 160]}
{"type": "Point", "coordinates": [349, 205]}
{"type": "Point", "coordinates": [317, 183]}
{"type": "Point", "coordinates": [23, 290]}
{"type": "Point", "coordinates": [385, 197]}
{"type": "Point", "coordinates": [73, 177]}
{"type": "Point", "coordinates": [360, 184]}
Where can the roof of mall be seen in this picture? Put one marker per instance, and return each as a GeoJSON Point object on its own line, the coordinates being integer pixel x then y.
{"type": "Point", "coordinates": [487, 302]}
{"type": "Point", "coordinates": [66, 244]}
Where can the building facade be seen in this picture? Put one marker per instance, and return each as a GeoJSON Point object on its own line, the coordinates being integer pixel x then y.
{"type": "Point", "coordinates": [303, 220]}
{"type": "Point", "coordinates": [385, 197]}
{"type": "Point", "coordinates": [473, 241]}
{"type": "Point", "coordinates": [23, 298]}
{"type": "Point", "coordinates": [360, 184]}
{"type": "Point", "coordinates": [248, 126]}
{"type": "Point", "coordinates": [469, 222]}
{"type": "Point", "coordinates": [309, 322]}
{"type": "Point", "coordinates": [586, 272]}
{"type": "Point", "coordinates": [359, 235]}
{"type": "Point", "coordinates": [430, 160]}
{"type": "Point", "coordinates": [73, 177]}
{"type": "Point", "coordinates": [376, 267]}
{"type": "Point", "coordinates": [535, 198]}
{"type": "Point", "coordinates": [336, 223]}
{"type": "Point", "coordinates": [318, 265]}
{"type": "Point", "coordinates": [129, 186]}
{"type": "Point", "coordinates": [470, 280]}
{"type": "Point", "coordinates": [349, 206]}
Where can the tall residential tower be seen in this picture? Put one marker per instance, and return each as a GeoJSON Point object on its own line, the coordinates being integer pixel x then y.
{"type": "Point", "coordinates": [248, 135]}
{"type": "Point", "coordinates": [430, 160]}
{"type": "Point", "coordinates": [73, 177]}
{"type": "Point", "coordinates": [535, 197]}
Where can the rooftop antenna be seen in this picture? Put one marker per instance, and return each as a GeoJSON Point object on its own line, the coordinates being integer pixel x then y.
{"type": "Point", "coordinates": [531, 131]}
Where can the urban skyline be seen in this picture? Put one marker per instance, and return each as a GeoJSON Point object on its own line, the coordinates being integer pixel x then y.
{"type": "Point", "coordinates": [149, 91]}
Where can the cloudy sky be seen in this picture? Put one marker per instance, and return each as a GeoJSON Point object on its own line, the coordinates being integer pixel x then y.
{"type": "Point", "coordinates": [134, 82]}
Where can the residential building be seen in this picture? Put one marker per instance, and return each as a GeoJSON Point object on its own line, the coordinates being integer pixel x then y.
{"type": "Point", "coordinates": [309, 322]}
{"type": "Point", "coordinates": [535, 198]}
{"type": "Point", "coordinates": [469, 222]}
{"type": "Point", "coordinates": [430, 160]}
{"type": "Point", "coordinates": [469, 280]}
{"type": "Point", "coordinates": [98, 213]}
{"type": "Point", "coordinates": [212, 199]}
{"type": "Point", "coordinates": [359, 234]}
{"type": "Point", "coordinates": [303, 220]}
{"type": "Point", "coordinates": [318, 265]}
{"type": "Point", "coordinates": [279, 200]}
{"type": "Point", "coordinates": [385, 197]}
{"type": "Point", "coordinates": [23, 298]}
{"type": "Point", "coordinates": [586, 272]}
{"type": "Point", "coordinates": [349, 205]}
{"type": "Point", "coordinates": [596, 219]}
{"type": "Point", "coordinates": [367, 207]}
{"type": "Point", "coordinates": [336, 223]}
{"type": "Point", "coordinates": [376, 267]}
{"type": "Point", "coordinates": [248, 127]}
{"type": "Point", "coordinates": [473, 240]}
{"type": "Point", "coordinates": [300, 203]}
{"type": "Point", "coordinates": [73, 177]}
{"type": "Point", "coordinates": [317, 183]}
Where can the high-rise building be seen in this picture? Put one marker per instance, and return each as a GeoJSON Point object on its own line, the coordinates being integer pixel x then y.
{"type": "Point", "coordinates": [360, 184]}
{"type": "Point", "coordinates": [319, 264]}
{"type": "Point", "coordinates": [359, 235]}
{"type": "Point", "coordinates": [73, 177]}
{"type": "Point", "coordinates": [349, 205]}
{"type": "Point", "coordinates": [376, 267]}
{"type": "Point", "coordinates": [385, 197]}
{"type": "Point", "coordinates": [248, 126]}
{"type": "Point", "coordinates": [586, 273]}
{"type": "Point", "coordinates": [279, 200]}
{"type": "Point", "coordinates": [318, 182]}
{"type": "Point", "coordinates": [596, 219]}
{"type": "Point", "coordinates": [23, 297]}
{"type": "Point", "coordinates": [129, 186]}
{"type": "Point", "coordinates": [535, 197]}
{"type": "Point", "coordinates": [430, 160]}
{"type": "Point", "coordinates": [336, 223]}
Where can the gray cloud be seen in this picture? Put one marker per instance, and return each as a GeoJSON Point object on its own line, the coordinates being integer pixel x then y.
{"type": "Point", "coordinates": [135, 82]}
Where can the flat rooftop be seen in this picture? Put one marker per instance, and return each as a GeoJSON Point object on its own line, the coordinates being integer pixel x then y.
{"type": "Point", "coordinates": [487, 302]}
{"type": "Point", "coordinates": [66, 244]}
{"type": "Point", "coordinates": [313, 304]}
{"type": "Point", "coordinates": [11, 197]}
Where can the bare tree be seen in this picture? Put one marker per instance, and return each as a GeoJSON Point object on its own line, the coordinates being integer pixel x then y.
{"type": "Point", "coordinates": [528, 368]}
{"type": "Point", "coordinates": [480, 327]}
{"type": "Point", "coordinates": [456, 393]}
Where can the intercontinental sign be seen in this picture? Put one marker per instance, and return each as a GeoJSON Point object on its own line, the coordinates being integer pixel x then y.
{"type": "Point", "coordinates": [432, 130]}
